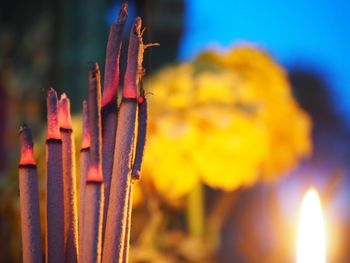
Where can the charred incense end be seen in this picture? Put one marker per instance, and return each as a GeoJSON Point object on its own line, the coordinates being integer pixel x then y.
{"type": "Point", "coordinates": [133, 71]}
{"type": "Point", "coordinates": [64, 116]}
{"type": "Point", "coordinates": [137, 29]}
{"type": "Point", "coordinates": [136, 176]}
{"type": "Point", "coordinates": [53, 131]}
{"type": "Point", "coordinates": [26, 141]}
{"type": "Point", "coordinates": [112, 72]}
{"type": "Point", "coordinates": [123, 14]}
{"type": "Point", "coordinates": [86, 133]}
{"type": "Point", "coordinates": [94, 106]}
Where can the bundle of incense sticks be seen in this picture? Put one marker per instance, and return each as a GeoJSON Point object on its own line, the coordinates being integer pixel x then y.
{"type": "Point", "coordinates": [110, 161]}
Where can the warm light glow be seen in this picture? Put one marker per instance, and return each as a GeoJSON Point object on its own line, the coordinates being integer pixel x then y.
{"type": "Point", "coordinates": [311, 246]}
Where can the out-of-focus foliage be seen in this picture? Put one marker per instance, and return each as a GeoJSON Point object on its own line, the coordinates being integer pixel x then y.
{"type": "Point", "coordinates": [228, 120]}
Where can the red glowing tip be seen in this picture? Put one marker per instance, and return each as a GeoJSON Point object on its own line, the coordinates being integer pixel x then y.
{"type": "Point", "coordinates": [123, 13]}
{"type": "Point", "coordinates": [109, 95]}
{"type": "Point", "coordinates": [86, 132]}
{"type": "Point", "coordinates": [112, 72]}
{"type": "Point", "coordinates": [129, 91]}
{"type": "Point", "coordinates": [26, 141]}
{"type": "Point", "coordinates": [94, 174]}
{"type": "Point", "coordinates": [64, 112]}
{"type": "Point", "coordinates": [140, 99]}
{"type": "Point", "coordinates": [133, 71]}
{"type": "Point", "coordinates": [53, 131]}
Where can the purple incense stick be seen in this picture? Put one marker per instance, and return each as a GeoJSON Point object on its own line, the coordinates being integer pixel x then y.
{"type": "Point", "coordinates": [69, 181]}
{"type": "Point", "coordinates": [29, 200]}
{"type": "Point", "coordinates": [93, 209]}
{"type": "Point", "coordinates": [110, 103]}
{"type": "Point", "coordinates": [84, 167]}
{"type": "Point", "coordinates": [118, 202]}
{"type": "Point", "coordinates": [54, 185]}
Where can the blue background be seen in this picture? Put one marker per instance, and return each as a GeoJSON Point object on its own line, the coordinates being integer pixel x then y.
{"type": "Point", "coordinates": [299, 34]}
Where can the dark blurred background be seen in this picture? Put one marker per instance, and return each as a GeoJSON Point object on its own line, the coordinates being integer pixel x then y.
{"type": "Point", "coordinates": [50, 42]}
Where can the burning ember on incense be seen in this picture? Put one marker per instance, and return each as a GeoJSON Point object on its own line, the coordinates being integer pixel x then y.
{"type": "Point", "coordinates": [110, 160]}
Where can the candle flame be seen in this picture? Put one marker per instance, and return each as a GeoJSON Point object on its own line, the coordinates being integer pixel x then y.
{"type": "Point", "coordinates": [311, 247]}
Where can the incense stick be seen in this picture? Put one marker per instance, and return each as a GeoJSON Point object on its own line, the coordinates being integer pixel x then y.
{"type": "Point", "coordinates": [127, 227]}
{"type": "Point", "coordinates": [118, 202]}
{"type": "Point", "coordinates": [69, 180]}
{"type": "Point", "coordinates": [112, 72]}
{"type": "Point", "coordinates": [142, 117]}
{"type": "Point", "coordinates": [105, 183]}
{"type": "Point", "coordinates": [116, 215]}
{"type": "Point", "coordinates": [135, 173]}
{"type": "Point", "coordinates": [54, 185]}
{"type": "Point", "coordinates": [94, 107]}
{"type": "Point", "coordinates": [84, 167]}
{"type": "Point", "coordinates": [93, 208]}
{"type": "Point", "coordinates": [110, 103]}
{"type": "Point", "coordinates": [29, 200]}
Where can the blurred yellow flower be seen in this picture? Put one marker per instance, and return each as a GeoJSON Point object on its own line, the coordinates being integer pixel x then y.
{"type": "Point", "coordinates": [174, 174]}
{"type": "Point", "coordinates": [227, 120]}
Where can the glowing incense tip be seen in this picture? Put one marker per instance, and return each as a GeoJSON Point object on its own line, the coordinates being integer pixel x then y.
{"type": "Point", "coordinates": [64, 112]}
{"type": "Point", "coordinates": [52, 115]}
{"type": "Point", "coordinates": [26, 141]}
{"type": "Point", "coordinates": [140, 99]}
{"type": "Point", "coordinates": [94, 174]}
{"type": "Point", "coordinates": [129, 92]}
{"type": "Point", "coordinates": [86, 133]}
{"type": "Point", "coordinates": [112, 71]}
{"type": "Point", "coordinates": [133, 71]}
